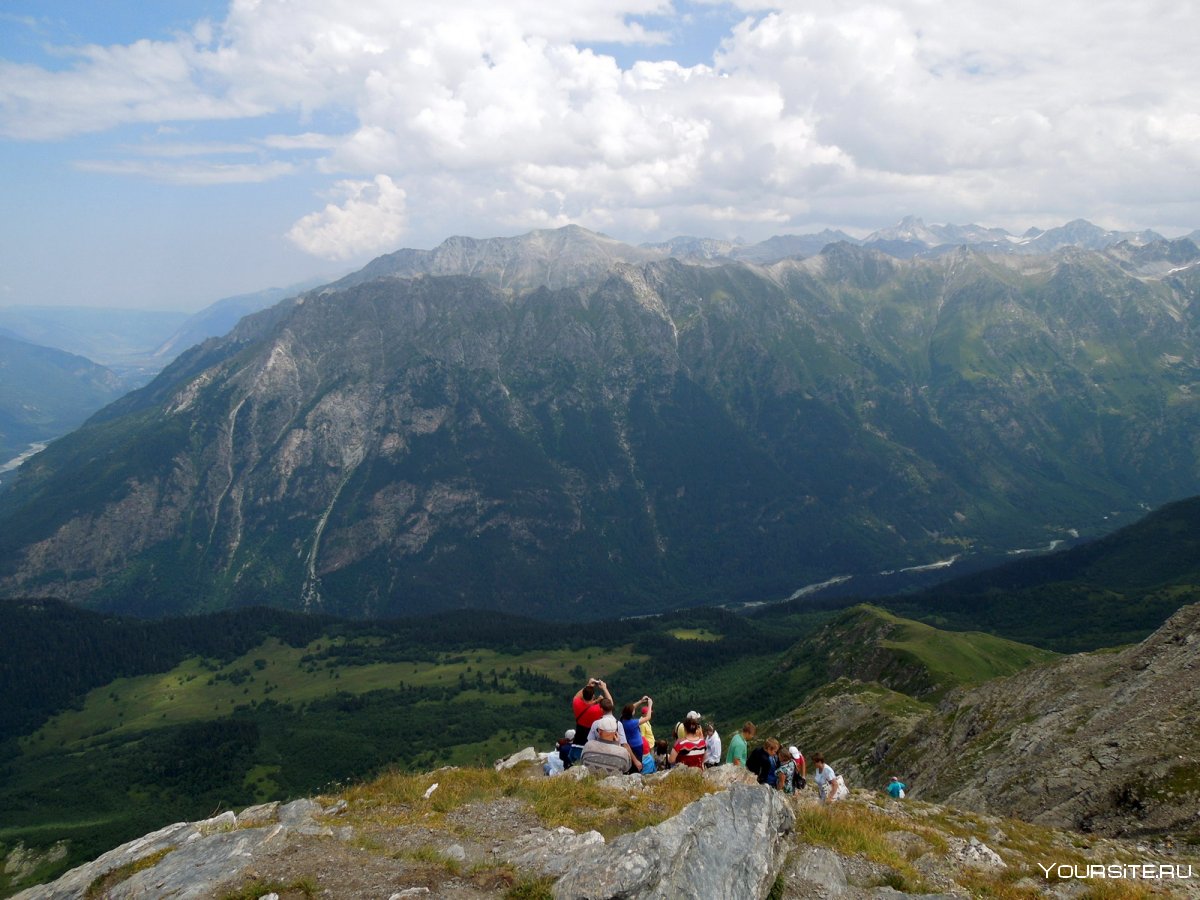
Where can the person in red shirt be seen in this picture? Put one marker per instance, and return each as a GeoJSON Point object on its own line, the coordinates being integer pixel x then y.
{"type": "Point", "coordinates": [689, 750]}
{"type": "Point", "coordinates": [587, 708]}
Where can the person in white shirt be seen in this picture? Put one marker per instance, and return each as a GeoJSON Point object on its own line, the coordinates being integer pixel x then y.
{"type": "Point", "coordinates": [825, 779]}
{"type": "Point", "coordinates": [712, 741]}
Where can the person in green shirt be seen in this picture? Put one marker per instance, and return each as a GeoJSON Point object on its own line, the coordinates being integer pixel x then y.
{"type": "Point", "coordinates": [736, 754]}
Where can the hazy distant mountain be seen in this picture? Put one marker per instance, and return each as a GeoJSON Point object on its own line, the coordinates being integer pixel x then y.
{"type": "Point", "coordinates": [1081, 233]}
{"type": "Point", "coordinates": [685, 247]}
{"type": "Point", "coordinates": [773, 249]}
{"type": "Point", "coordinates": [912, 229]}
{"type": "Point", "coordinates": [122, 340]}
{"type": "Point", "coordinates": [219, 318]}
{"type": "Point", "coordinates": [45, 393]}
{"type": "Point", "coordinates": [644, 435]}
{"type": "Point", "coordinates": [783, 246]}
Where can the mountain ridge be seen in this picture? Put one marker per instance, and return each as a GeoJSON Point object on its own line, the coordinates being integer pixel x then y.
{"type": "Point", "coordinates": [833, 411]}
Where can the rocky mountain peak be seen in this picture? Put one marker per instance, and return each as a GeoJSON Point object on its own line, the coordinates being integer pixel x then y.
{"type": "Point", "coordinates": [553, 258]}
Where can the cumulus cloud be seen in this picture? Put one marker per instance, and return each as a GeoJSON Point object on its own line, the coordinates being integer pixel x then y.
{"type": "Point", "coordinates": [371, 216]}
{"type": "Point", "coordinates": [476, 116]}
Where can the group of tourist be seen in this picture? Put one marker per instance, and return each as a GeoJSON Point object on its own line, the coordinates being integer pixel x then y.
{"type": "Point", "coordinates": [610, 744]}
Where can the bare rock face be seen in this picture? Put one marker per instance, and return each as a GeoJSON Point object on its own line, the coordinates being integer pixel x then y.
{"type": "Point", "coordinates": [184, 860]}
{"type": "Point", "coordinates": [1101, 742]}
{"type": "Point", "coordinates": [730, 844]}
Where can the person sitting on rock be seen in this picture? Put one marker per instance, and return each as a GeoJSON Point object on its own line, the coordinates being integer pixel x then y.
{"type": "Point", "coordinates": [681, 728]}
{"type": "Point", "coordinates": [631, 728]}
{"type": "Point", "coordinates": [606, 755]}
{"type": "Point", "coordinates": [662, 752]}
{"type": "Point", "coordinates": [736, 755]}
{"type": "Point", "coordinates": [647, 731]}
{"type": "Point", "coordinates": [689, 751]}
{"type": "Point", "coordinates": [712, 743]}
{"type": "Point", "coordinates": [606, 707]}
{"type": "Point", "coordinates": [564, 747]}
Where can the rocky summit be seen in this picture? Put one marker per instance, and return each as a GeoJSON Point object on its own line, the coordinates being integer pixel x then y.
{"type": "Point", "coordinates": [563, 425]}
{"type": "Point", "coordinates": [474, 834]}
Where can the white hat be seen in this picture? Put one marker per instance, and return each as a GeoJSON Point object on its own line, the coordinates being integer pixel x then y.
{"type": "Point", "coordinates": [570, 735]}
{"type": "Point", "coordinates": [794, 752]}
{"type": "Point", "coordinates": [694, 716]}
{"type": "Point", "coordinates": [606, 723]}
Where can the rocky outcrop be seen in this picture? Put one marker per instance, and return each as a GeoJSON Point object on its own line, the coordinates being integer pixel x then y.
{"type": "Point", "coordinates": [729, 844]}
{"type": "Point", "coordinates": [195, 859]}
{"type": "Point", "coordinates": [187, 859]}
{"type": "Point", "coordinates": [1103, 742]}
{"type": "Point", "coordinates": [745, 841]}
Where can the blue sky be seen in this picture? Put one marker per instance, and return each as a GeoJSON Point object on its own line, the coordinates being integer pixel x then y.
{"type": "Point", "coordinates": [167, 155]}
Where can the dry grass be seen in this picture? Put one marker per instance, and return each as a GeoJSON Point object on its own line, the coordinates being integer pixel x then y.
{"type": "Point", "coordinates": [852, 830]}
{"type": "Point", "coordinates": [398, 799]}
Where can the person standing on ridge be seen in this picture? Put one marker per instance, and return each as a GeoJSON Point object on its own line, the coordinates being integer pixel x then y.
{"type": "Point", "coordinates": [736, 755]}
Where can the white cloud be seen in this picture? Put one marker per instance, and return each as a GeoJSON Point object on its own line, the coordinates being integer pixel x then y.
{"type": "Point", "coordinates": [476, 116]}
{"type": "Point", "coordinates": [370, 217]}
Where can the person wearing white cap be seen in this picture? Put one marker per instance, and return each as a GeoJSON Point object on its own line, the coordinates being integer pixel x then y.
{"type": "Point", "coordinates": [681, 728]}
{"type": "Point", "coordinates": [564, 747]}
{"type": "Point", "coordinates": [801, 765]}
{"type": "Point", "coordinates": [605, 755]}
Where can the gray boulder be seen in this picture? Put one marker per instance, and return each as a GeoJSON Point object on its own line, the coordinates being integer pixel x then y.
{"type": "Point", "coordinates": [529, 754]}
{"type": "Point", "coordinates": [729, 844]}
{"type": "Point", "coordinates": [816, 872]}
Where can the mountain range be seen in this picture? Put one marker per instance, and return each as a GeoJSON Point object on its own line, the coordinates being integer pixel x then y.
{"type": "Point", "coordinates": [564, 425]}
